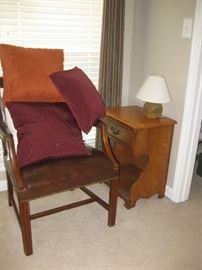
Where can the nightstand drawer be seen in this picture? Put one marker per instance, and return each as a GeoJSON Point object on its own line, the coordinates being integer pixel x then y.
{"type": "Point", "coordinates": [120, 132]}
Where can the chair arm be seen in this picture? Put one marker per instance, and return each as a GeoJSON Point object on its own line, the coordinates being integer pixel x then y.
{"type": "Point", "coordinates": [106, 145]}
{"type": "Point", "coordinates": [9, 154]}
{"type": "Point", "coordinates": [19, 182]}
{"type": "Point", "coordinates": [10, 160]}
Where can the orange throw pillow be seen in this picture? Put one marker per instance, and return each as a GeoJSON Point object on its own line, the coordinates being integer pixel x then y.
{"type": "Point", "coordinates": [26, 73]}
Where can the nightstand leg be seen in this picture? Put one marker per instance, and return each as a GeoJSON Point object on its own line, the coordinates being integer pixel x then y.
{"type": "Point", "coordinates": [161, 195]}
{"type": "Point", "coordinates": [130, 204]}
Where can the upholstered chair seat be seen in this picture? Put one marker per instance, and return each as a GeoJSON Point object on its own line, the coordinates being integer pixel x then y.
{"type": "Point", "coordinates": [54, 176]}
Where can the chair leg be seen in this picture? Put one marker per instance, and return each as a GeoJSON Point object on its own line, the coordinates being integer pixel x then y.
{"type": "Point", "coordinates": [24, 211]}
{"type": "Point", "coordinates": [113, 196]}
{"type": "Point", "coordinates": [10, 189]}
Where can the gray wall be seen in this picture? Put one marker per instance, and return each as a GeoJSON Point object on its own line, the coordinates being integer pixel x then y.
{"type": "Point", "coordinates": [158, 48]}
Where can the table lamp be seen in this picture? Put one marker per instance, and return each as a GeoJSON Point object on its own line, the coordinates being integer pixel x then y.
{"type": "Point", "coordinates": [155, 92]}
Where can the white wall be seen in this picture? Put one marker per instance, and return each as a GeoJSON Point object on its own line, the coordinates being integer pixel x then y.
{"type": "Point", "coordinates": [158, 47]}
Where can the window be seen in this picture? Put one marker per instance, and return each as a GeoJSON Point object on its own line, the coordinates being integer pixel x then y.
{"type": "Point", "coordinates": [73, 25]}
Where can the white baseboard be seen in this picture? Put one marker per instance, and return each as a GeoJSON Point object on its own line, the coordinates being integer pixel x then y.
{"type": "Point", "coordinates": [3, 185]}
{"type": "Point", "coordinates": [169, 192]}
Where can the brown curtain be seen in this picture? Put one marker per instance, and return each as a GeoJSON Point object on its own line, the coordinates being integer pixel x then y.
{"type": "Point", "coordinates": [111, 56]}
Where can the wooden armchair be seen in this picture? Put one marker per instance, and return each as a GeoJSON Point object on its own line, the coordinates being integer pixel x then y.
{"type": "Point", "coordinates": [53, 176]}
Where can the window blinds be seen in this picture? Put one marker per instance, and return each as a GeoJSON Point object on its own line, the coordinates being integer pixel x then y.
{"type": "Point", "coordinates": [73, 25]}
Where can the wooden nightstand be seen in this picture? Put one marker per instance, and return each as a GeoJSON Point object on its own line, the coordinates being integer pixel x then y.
{"type": "Point", "coordinates": [142, 146]}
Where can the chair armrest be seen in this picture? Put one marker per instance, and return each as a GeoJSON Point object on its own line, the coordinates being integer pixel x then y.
{"type": "Point", "coordinates": [105, 143]}
{"type": "Point", "coordinates": [9, 154]}
{"type": "Point", "coordinates": [12, 164]}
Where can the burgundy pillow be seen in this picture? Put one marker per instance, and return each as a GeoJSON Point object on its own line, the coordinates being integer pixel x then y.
{"type": "Point", "coordinates": [81, 96]}
{"type": "Point", "coordinates": [45, 130]}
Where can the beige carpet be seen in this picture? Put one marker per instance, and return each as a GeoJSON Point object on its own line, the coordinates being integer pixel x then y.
{"type": "Point", "coordinates": [155, 235]}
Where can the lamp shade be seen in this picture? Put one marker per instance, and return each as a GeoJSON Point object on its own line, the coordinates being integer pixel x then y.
{"type": "Point", "coordinates": [154, 90]}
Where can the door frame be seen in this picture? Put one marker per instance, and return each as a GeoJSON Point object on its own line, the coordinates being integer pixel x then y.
{"type": "Point", "coordinates": [192, 115]}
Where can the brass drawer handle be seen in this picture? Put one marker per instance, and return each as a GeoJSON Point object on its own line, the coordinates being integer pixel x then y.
{"type": "Point", "coordinates": [115, 130]}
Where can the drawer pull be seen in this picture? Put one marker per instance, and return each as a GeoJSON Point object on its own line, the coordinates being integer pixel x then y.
{"type": "Point", "coordinates": [115, 130]}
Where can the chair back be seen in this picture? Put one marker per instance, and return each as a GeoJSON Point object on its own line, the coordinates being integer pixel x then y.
{"type": "Point", "coordinates": [3, 126]}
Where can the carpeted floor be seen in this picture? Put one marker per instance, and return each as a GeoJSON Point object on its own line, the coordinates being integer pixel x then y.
{"type": "Point", "coordinates": [155, 235]}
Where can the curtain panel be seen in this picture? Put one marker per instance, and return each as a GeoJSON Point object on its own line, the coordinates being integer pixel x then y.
{"type": "Point", "coordinates": [111, 55]}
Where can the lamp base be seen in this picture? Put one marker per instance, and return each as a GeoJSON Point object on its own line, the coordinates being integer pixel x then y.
{"type": "Point", "coordinates": [152, 110]}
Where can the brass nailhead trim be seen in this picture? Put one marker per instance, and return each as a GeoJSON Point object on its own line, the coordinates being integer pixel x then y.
{"type": "Point", "coordinates": [64, 190]}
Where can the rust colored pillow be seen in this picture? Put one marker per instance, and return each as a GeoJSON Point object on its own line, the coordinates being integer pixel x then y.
{"type": "Point", "coordinates": [26, 73]}
{"type": "Point", "coordinates": [45, 131]}
{"type": "Point", "coordinates": [81, 96]}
